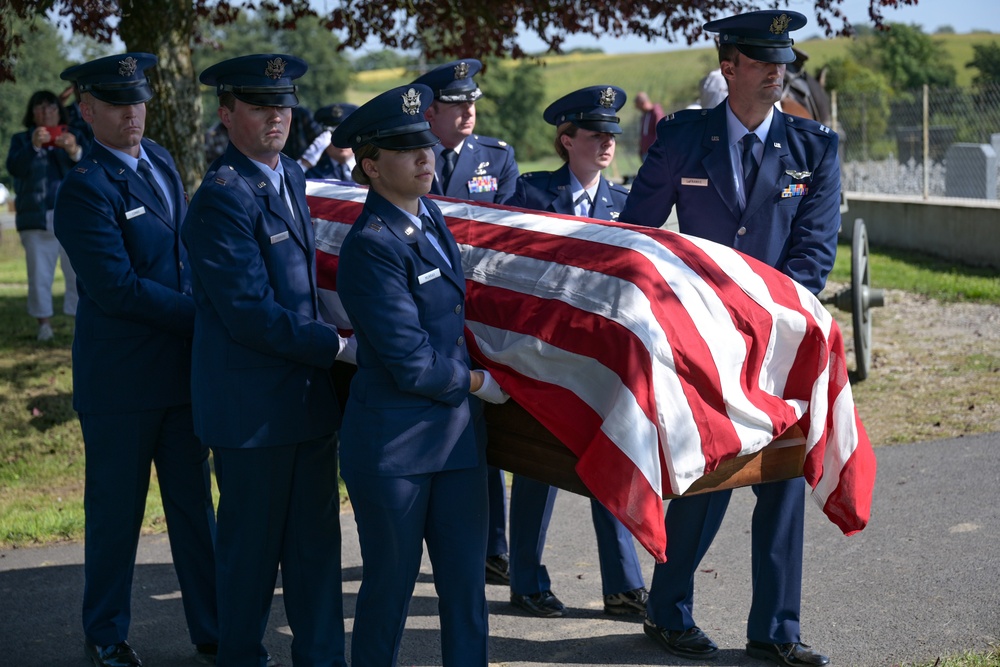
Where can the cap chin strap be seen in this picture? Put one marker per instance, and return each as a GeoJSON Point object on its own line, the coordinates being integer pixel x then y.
{"type": "Point", "coordinates": [393, 132]}
{"type": "Point", "coordinates": [463, 96]}
{"type": "Point", "coordinates": [107, 87]}
{"type": "Point", "coordinates": [256, 90]}
{"type": "Point", "coordinates": [750, 41]}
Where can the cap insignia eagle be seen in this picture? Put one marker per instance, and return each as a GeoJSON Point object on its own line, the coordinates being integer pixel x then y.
{"type": "Point", "coordinates": [780, 24]}
{"type": "Point", "coordinates": [411, 102]}
{"type": "Point", "coordinates": [462, 70]}
{"type": "Point", "coordinates": [127, 66]}
{"type": "Point", "coordinates": [275, 68]}
{"type": "Point", "coordinates": [608, 97]}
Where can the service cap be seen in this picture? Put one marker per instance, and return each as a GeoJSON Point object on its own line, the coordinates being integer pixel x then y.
{"type": "Point", "coordinates": [263, 79]}
{"type": "Point", "coordinates": [333, 115]}
{"type": "Point", "coordinates": [761, 35]}
{"type": "Point", "coordinates": [393, 120]}
{"type": "Point", "coordinates": [119, 80]}
{"type": "Point", "coordinates": [594, 108]}
{"type": "Point", "coordinates": [453, 81]}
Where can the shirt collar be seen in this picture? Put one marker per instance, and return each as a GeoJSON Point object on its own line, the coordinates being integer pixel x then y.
{"type": "Point", "coordinates": [737, 130]}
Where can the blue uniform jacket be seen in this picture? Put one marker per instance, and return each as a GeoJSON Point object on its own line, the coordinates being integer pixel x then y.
{"type": "Point", "coordinates": [793, 213]}
{"type": "Point", "coordinates": [261, 356]}
{"type": "Point", "coordinates": [409, 411]}
{"type": "Point", "coordinates": [131, 349]}
{"type": "Point", "coordinates": [550, 191]}
{"type": "Point", "coordinates": [485, 171]}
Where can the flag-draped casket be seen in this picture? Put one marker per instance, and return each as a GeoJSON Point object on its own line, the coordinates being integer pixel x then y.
{"type": "Point", "coordinates": [652, 356]}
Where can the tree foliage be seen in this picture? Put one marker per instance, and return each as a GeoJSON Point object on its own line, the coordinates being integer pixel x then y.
{"type": "Point", "coordinates": [986, 58]}
{"type": "Point", "coordinates": [510, 109]}
{"type": "Point", "coordinates": [443, 29]}
{"type": "Point", "coordinates": [907, 57]}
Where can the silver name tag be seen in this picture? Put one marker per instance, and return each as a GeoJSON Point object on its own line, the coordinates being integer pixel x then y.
{"type": "Point", "coordinates": [429, 276]}
{"type": "Point", "coordinates": [278, 238]}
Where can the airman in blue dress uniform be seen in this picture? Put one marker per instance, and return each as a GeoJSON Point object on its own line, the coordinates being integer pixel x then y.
{"type": "Point", "coordinates": [768, 184]}
{"type": "Point", "coordinates": [587, 127]}
{"type": "Point", "coordinates": [132, 359]}
{"type": "Point", "coordinates": [413, 462]}
{"type": "Point", "coordinates": [482, 169]}
{"type": "Point", "coordinates": [334, 163]}
{"type": "Point", "coordinates": [262, 394]}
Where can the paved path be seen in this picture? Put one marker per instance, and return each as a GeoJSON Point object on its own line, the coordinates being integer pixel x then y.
{"type": "Point", "coordinates": [922, 581]}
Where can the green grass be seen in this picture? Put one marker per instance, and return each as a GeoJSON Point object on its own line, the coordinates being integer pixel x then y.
{"type": "Point", "coordinates": [922, 274]}
{"type": "Point", "coordinates": [990, 658]}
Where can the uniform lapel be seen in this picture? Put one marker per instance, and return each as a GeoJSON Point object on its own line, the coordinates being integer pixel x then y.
{"type": "Point", "coordinates": [717, 162]}
{"type": "Point", "coordinates": [562, 196]}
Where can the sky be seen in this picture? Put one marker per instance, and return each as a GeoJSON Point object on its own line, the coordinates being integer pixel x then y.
{"type": "Point", "coordinates": [962, 15]}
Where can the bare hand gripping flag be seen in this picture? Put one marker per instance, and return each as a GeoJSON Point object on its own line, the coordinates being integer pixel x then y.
{"type": "Point", "coordinates": [651, 355]}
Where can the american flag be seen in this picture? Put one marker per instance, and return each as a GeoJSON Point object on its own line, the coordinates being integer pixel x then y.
{"type": "Point", "coordinates": [653, 356]}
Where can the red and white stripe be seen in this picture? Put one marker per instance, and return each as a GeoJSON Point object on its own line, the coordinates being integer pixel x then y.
{"type": "Point", "coordinates": [653, 356]}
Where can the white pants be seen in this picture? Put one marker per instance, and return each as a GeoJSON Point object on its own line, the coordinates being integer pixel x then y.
{"type": "Point", "coordinates": [42, 251]}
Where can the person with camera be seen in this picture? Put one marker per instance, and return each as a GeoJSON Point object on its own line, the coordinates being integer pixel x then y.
{"type": "Point", "coordinates": [39, 159]}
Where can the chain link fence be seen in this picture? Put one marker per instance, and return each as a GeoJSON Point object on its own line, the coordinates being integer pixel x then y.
{"type": "Point", "coordinates": [924, 143]}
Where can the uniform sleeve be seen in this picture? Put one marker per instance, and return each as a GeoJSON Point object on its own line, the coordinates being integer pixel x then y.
{"type": "Point", "coordinates": [88, 224]}
{"type": "Point", "coordinates": [653, 192]}
{"type": "Point", "coordinates": [226, 258]}
{"type": "Point", "coordinates": [374, 283]}
{"type": "Point", "coordinates": [813, 239]}
{"type": "Point", "coordinates": [507, 182]}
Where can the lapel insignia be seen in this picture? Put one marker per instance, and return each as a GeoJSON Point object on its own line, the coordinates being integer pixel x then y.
{"type": "Point", "coordinates": [127, 67]}
{"type": "Point", "coordinates": [275, 68]}
{"type": "Point", "coordinates": [715, 137]}
{"type": "Point", "coordinates": [777, 144]}
{"type": "Point", "coordinates": [121, 171]}
{"type": "Point", "coordinates": [798, 175]}
{"type": "Point", "coordinates": [614, 215]}
{"type": "Point", "coordinates": [408, 231]}
{"type": "Point", "coordinates": [262, 184]}
{"type": "Point", "coordinates": [411, 102]}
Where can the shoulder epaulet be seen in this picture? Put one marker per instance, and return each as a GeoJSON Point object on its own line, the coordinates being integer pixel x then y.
{"type": "Point", "coordinates": [535, 175]}
{"type": "Point", "coordinates": [807, 125]}
{"type": "Point", "coordinates": [85, 166]}
{"type": "Point", "coordinates": [685, 116]}
{"type": "Point", "coordinates": [224, 174]}
{"type": "Point", "coordinates": [490, 141]}
{"type": "Point", "coordinates": [376, 224]}
{"type": "Point", "coordinates": [618, 187]}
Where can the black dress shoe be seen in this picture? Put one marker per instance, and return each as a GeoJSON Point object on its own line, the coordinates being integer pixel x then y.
{"type": "Point", "coordinates": [498, 570]}
{"type": "Point", "coordinates": [629, 602]}
{"type": "Point", "coordinates": [205, 653]}
{"type": "Point", "coordinates": [116, 655]}
{"type": "Point", "coordinates": [543, 605]}
{"type": "Point", "coordinates": [691, 643]}
{"type": "Point", "coordinates": [795, 654]}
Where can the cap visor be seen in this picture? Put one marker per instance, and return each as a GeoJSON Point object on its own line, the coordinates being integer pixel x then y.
{"type": "Point", "coordinates": [269, 99]}
{"type": "Point", "coordinates": [599, 126]}
{"type": "Point", "coordinates": [124, 97]}
{"type": "Point", "coordinates": [767, 54]}
{"type": "Point", "coordinates": [402, 142]}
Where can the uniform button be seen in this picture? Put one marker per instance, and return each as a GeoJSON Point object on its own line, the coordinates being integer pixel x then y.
{"type": "Point", "coordinates": [458, 309]}
{"type": "Point", "coordinates": [461, 341]}
{"type": "Point", "coordinates": [741, 231]}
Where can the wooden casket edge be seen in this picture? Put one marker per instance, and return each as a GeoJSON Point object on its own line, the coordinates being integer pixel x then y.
{"type": "Point", "coordinates": [519, 444]}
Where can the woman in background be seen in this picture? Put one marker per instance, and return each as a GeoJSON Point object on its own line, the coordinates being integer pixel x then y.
{"type": "Point", "coordinates": [39, 159]}
{"type": "Point", "coordinates": [587, 127]}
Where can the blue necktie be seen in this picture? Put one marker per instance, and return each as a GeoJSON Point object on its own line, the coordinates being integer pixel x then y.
{"type": "Point", "coordinates": [146, 171]}
{"type": "Point", "coordinates": [450, 157]}
{"type": "Point", "coordinates": [749, 164]}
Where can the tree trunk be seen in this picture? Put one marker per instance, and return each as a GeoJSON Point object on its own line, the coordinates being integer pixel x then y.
{"type": "Point", "coordinates": [166, 28]}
